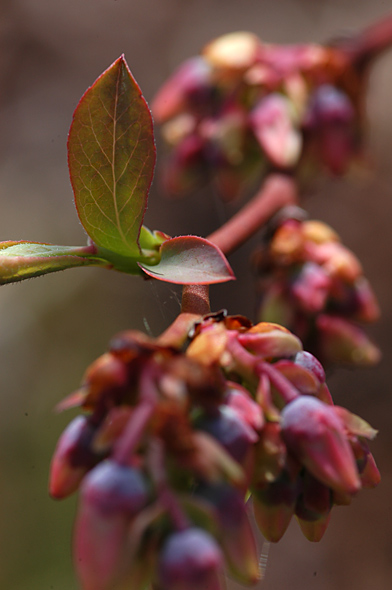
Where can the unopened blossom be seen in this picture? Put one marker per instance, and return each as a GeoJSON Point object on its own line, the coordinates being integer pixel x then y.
{"type": "Point", "coordinates": [173, 441]}
{"type": "Point", "coordinates": [243, 107]}
{"type": "Point", "coordinates": [311, 283]}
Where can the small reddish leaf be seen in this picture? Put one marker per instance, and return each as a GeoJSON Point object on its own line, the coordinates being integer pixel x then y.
{"type": "Point", "coordinates": [111, 155]}
{"type": "Point", "coordinates": [188, 260]}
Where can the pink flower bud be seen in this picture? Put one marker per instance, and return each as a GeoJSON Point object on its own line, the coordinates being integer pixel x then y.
{"type": "Point", "coordinates": [111, 496]}
{"type": "Point", "coordinates": [316, 436]}
{"type": "Point", "coordinates": [270, 340]}
{"type": "Point", "coordinates": [72, 458]}
{"type": "Point", "coordinates": [240, 400]}
{"type": "Point", "coordinates": [314, 530]}
{"type": "Point", "coordinates": [311, 288]}
{"type": "Point", "coordinates": [274, 506]}
{"type": "Point", "coordinates": [341, 341]}
{"type": "Point", "coordinates": [273, 124]}
{"type": "Point", "coordinates": [308, 361]}
{"type": "Point", "coordinates": [190, 560]}
{"type": "Point", "coordinates": [189, 84]}
{"type": "Point", "coordinates": [234, 531]}
{"type": "Point", "coordinates": [329, 105]}
{"type": "Point", "coordinates": [230, 430]}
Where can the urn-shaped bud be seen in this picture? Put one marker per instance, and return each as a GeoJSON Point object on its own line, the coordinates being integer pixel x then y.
{"type": "Point", "coordinates": [111, 496]}
{"type": "Point", "coordinates": [232, 432]}
{"type": "Point", "coordinates": [316, 436]}
{"type": "Point", "coordinates": [190, 560]}
{"type": "Point", "coordinates": [234, 531]}
{"type": "Point", "coordinates": [72, 458]}
{"type": "Point", "coordinates": [274, 505]}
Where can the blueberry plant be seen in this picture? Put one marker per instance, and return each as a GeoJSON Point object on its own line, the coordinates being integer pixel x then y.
{"type": "Point", "coordinates": [185, 438]}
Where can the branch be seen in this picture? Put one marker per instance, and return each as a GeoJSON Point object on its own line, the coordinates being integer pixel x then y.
{"type": "Point", "coordinates": [195, 304]}
{"type": "Point", "coordinates": [277, 192]}
{"type": "Point", "coordinates": [367, 45]}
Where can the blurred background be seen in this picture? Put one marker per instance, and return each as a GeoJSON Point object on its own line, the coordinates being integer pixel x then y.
{"type": "Point", "coordinates": [52, 328]}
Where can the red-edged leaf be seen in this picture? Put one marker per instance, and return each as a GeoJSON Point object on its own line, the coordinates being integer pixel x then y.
{"type": "Point", "coordinates": [111, 155]}
{"type": "Point", "coordinates": [188, 260]}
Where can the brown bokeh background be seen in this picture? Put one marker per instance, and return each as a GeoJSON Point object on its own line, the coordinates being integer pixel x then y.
{"type": "Point", "coordinates": [52, 328]}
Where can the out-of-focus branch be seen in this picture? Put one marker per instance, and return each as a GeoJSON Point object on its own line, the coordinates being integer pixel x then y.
{"type": "Point", "coordinates": [367, 45]}
{"type": "Point", "coordinates": [277, 191]}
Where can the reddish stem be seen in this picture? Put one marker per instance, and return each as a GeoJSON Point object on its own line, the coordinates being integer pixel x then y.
{"type": "Point", "coordinates": [277, 191]}
{"type": "Point", "coordinates": [195, 299]}
{"type": "Point", "coordinates": [167, 497]}
{"type": "Point", "coordinates": [285, 388]}
{"type": "Point", "coordinates": [195, 304]}
{"type": "Point", "coordinates": [137, 422]}
{"type": "Point", "coordinates": [369, 43]}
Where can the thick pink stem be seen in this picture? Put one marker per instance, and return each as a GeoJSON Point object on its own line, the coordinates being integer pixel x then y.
{"type": "Point", "coordinates": [277, 192]}
{"type": "Point", "coordinates": [137, 422]}
{"type": "Point", "coordinates": [195, 304]}
{"type": "Point", "coordinates": [367, 45]}
{"type": "Point", "coordinates": [195, 299]}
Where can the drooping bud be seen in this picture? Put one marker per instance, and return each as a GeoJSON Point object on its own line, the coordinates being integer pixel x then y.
{"type": "Point", "coordinates": [308, 361]}
{"type": "Point", "coordinates": [234, 531]}
{"type": "Point", "coordinates": [342, 341]}
{"type": "Point", "coordinates": [72, 458]}
{"type": "Point", "coordinates": [190, 560]}
{"type": "Point", "coordinates": [311, 287]}
{"type": "Point", "coordinates": [274, 505]}
{"type": "Point", "coordinates": [270, 340]}
{"type": "Point", "coordinates": [111, 496]}
{"type": "Point", "coordinates": [229, 430]}
{"type": "Point", "coordinates": [313, 507]}
{"type": "Point", "coordinates": [106, 377]}
{"type": "Point", "coordinates": [330, 118]}
{"type": "Point", "coordinates": [316, 436]}
{"type": "Point", "coordinates": [273, 124]}
{"type": "Point", "coordinates": [239, 399]}
{"type": "Point", "coordinates": [189, 86]}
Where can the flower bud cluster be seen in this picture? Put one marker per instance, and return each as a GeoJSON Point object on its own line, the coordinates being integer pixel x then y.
{"type": "Point", "coordinates": [312, 284]}
{"type": "Point", "coordinates": [243, 107]}
{"type": "Point", "coordinates": [172, 439]}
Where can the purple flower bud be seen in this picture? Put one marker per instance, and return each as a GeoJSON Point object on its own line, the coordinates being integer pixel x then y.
{"type": "Point", "coordinates": [316, 436]}
{"type": "Point", "coordinates": [226, 426]}
{"type": "Point", "coordinates": [190, 85]}
{"type": "Point", "coordinates": [315, 499]}
{"type": "Point", "coordinates": [329, 105]}
{"type": "Point", "coordinates": [240, 400]}
{"type": "Point", "coordinates": [190, 560]}
{"type": "Point", "coordinates": [341, 341]}
{"type": "Point", "coordinates": [308, 361]}
{"type": "Point", "coordinates": [311, 288]}
{"type": "Point", "coordinates": [112, 488]}
{"type": "Point", "coordinates": [234, 530]}
{"type": "Point", "coordinates": [111, 495]}
{"type": "Point", "coordinates": [274, 505]}
{"type": "Point", "coordinates": [72, 458]}
{"type": "Point", "coordinates": [273, 124]}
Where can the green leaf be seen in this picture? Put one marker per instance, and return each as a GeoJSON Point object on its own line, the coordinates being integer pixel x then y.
{"type": "Point", "coordinates": [189, 260]}
{"type": "Point", "coordinates": [111, 156]}
{"type": "Point", "coordinates": [23, 260]}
